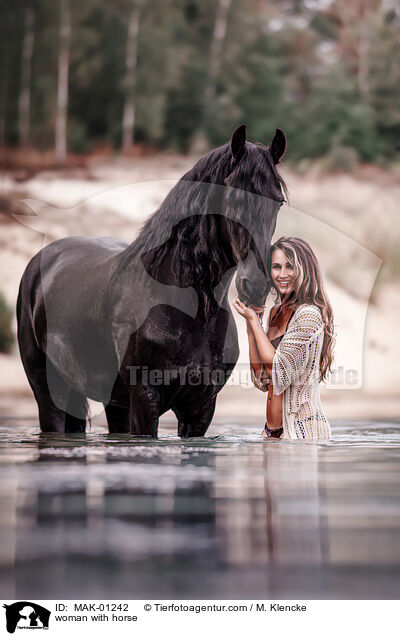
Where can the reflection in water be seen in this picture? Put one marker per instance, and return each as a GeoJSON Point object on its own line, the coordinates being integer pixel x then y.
{"type": "Point", "coordinates": [273, 516]}
{"type": "Point", "coordinates": [230, 516]}
{"type": "Point", "coordinates": [294, 528]}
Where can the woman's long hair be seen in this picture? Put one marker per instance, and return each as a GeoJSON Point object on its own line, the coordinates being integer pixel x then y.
{"type": "Point", "coordinates": [308, 289]}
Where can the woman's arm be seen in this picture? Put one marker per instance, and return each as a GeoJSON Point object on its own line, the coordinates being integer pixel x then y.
{"type": "Point", "coordinates": [256, 335]}
{"type": "Point", "coordinates": [265, 349]}
{"type": "Point", "coordinates": [259, 373]}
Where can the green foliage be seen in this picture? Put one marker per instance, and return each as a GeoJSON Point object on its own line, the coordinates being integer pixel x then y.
{"type": "Point", "coordinates": [6, 333]}
{"type": "Point", "coordinates": [78, 139]}
{"type": "Point", "coordinates": [332, 119]}
{"type": "Point", "coordinates": [294, 64]}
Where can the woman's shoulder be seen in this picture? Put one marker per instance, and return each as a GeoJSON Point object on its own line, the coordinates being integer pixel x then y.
{"type": "Point", "coordinates": [305, 307]}
{"type": "Point", "coordinates": [308, 311]}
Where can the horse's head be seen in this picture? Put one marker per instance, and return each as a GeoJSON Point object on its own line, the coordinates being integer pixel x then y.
{"type": "Point", "coordinates": [254, 198]}
{"type": "Point", "coordinates": [221, 215]}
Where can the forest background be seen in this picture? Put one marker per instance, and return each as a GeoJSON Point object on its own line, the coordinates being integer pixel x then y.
{"type": "Point", "coordinates": [181, 73]}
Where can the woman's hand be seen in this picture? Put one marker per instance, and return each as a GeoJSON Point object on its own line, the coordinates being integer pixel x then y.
{"type": "Point", "coordinates": [246, 312]}
{"type": "Point", "coordinates": [255, 332]}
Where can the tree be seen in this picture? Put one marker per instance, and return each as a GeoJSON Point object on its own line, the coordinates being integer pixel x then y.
{"type": "Point", "coordinates": [128, 119]}
{"type": "Point", "coordinates": [25, 86]}
{"type": "Point", "coordinates": [215, 56]}
{"type": "Point", "coordinates": [62, 85]}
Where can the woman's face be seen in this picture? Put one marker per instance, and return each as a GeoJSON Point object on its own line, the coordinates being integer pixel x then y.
{"type": "Point", "coordinates": [282, 272]}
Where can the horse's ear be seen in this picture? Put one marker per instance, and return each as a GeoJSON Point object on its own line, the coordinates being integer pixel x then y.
{"type": "Point", "coordinates": [278, 146]}
{"type": "Point", "coordinates": [238, 141]}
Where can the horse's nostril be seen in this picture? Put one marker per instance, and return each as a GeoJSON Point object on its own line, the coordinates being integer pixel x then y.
{"type": "Point", "coordinates": [243, 289]}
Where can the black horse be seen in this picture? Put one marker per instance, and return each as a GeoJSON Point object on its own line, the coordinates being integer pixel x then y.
{"type": "Point", "coordinates": [146, 327]}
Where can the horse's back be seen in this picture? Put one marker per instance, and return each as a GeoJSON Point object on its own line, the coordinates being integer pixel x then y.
{"type": "Point", "coordinates": [69, 250]}
{"type": "Point", "coordinates": [73, 255]}
{"type": "Point", "coordinates": [75, 248]}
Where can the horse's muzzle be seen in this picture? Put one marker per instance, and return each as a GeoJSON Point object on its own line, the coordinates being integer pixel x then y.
{"type": "Point", "coordinates": [251, 293]}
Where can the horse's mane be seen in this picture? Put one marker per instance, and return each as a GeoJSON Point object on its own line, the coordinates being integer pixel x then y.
{"type": "Point", "coordinates": [185, 230]}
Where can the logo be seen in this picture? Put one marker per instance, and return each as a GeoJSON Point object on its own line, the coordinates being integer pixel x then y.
{"type": "Point", "coordinates": [26, 615]}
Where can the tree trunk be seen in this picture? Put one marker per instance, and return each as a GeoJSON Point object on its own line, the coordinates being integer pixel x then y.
{"type": "Point", "coordinates": [363, 51]}
{"type": "Point", "coordinates": [24, 99]}
{"type": "Point", "coordinates": [62, 89]}
{"type": "Point", "coordinates": [4, 66]}
{"type": "Point", "coordinates": [216, 49]}
{"type": "Point", "coordinates": [128, 119]}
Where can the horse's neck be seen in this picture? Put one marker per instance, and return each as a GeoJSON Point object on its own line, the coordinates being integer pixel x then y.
{"type": "Point", "coordinates": [210, 247]}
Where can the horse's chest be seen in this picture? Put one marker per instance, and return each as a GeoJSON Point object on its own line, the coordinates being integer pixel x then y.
{"type": "Point", "coordinates": [172, 343]}
{"type": "Point", "coordinates": [180, 346]}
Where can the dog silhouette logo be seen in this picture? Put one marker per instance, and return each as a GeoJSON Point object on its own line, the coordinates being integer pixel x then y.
{"type": "Point", "coordinates": [26, 615]}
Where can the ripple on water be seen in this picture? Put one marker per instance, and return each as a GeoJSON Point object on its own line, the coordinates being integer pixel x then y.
{"type": "Point", "coordinates": [230, 511]}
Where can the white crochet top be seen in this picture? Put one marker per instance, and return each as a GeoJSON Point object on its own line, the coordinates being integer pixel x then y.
{"type": "Point", "coordinates": [295, 373]}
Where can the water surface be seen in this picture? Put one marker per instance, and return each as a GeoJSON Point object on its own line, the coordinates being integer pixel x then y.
{"type": "Point", "coordinates": [226, 516]}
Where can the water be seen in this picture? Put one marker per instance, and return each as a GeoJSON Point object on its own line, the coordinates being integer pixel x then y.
{"type": "Point", "coordinates": [227, 516]}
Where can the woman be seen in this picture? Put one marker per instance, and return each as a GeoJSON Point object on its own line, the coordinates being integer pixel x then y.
{"type": "Point", "coordinates": [296, 353]}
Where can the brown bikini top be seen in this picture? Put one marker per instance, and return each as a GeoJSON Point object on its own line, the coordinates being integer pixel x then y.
{"type": "Point", "coordinates": [275, 342]}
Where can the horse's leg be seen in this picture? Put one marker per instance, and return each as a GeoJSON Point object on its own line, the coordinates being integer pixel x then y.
{"type": "Point", "coordinates": [144, 410]}
{"type": "Point", "coordinates": [194, 422]}
{"type": "Point", "coordinates": [117, 418]}
{"type": "Point", "coordinates": [61, 409]}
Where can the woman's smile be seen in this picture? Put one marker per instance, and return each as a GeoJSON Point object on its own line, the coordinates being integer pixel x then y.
{"type": "Point", "coordinates": [284, 287]}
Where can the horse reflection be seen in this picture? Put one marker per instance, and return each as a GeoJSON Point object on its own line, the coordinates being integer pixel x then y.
{"type": "Point", "coordinates": [107, 505]}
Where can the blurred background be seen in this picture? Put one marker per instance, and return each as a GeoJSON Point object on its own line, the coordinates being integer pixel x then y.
{"type": "Point", "coordinates": [80, 77]}
{"type": "Point", "coordinates": [104, 105]}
